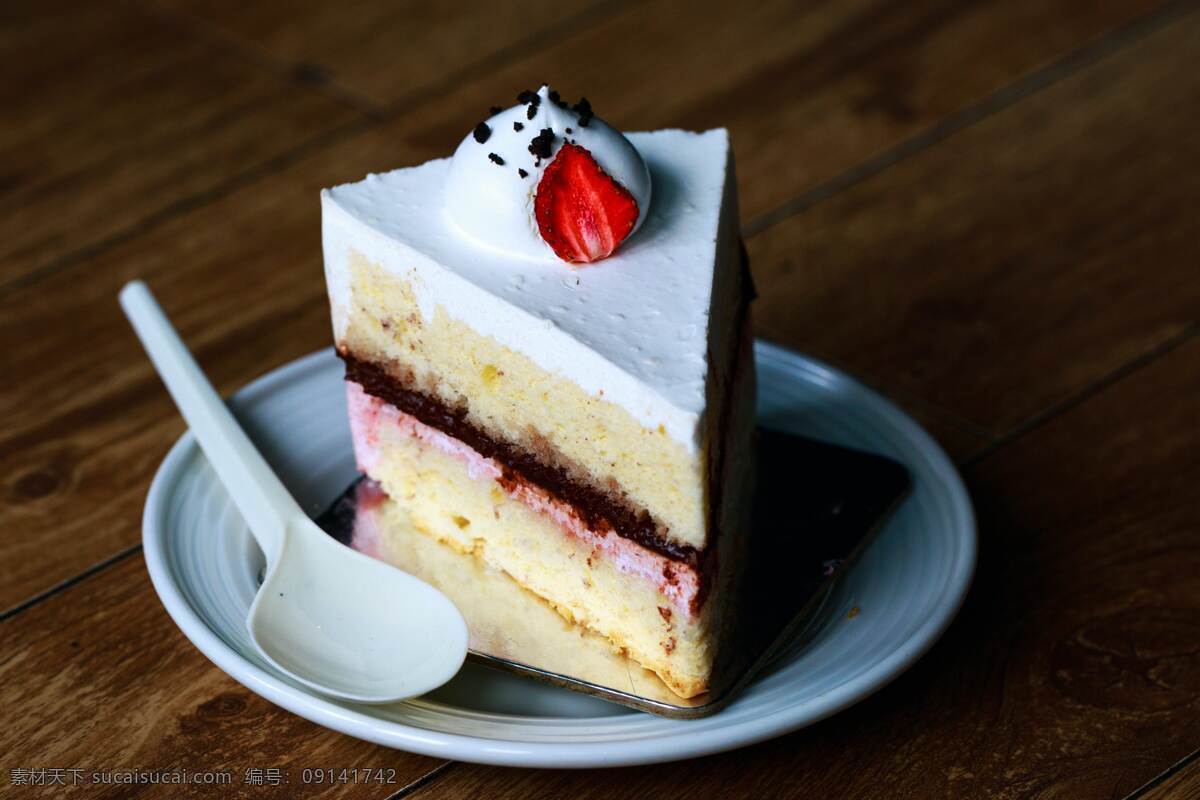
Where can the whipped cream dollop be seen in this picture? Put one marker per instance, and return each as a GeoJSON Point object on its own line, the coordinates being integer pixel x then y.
{"type": "Point", "coordinates": [495, 173]}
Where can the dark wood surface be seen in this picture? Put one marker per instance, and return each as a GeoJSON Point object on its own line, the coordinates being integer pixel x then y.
{"type": "Point", "coordinates": [105, 681]}
{"type": "Point", "coordinates": [1179, 783]}
{"type": "Point", "coordinates": [986, 210]}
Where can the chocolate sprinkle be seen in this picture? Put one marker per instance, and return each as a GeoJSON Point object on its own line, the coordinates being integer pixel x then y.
{"type": "Point", "coordinates": [541, 144]}
{"type": "Point", "coordinates": [529, 96]}
{"type": "Point", "coordinates": [495, 159]}
{"type": "Point", "coordinates": [556, 99]}
{"type": "Point", "coordinates": [584, 109]}
{"type": "Point", "coordinates": [568, 130]}
{"type": "Point", "coordinates": [522, 173]}
{"type": "Point", "coordinates": [494, 110]}
{"type": "Point", "coordinates": [482, 132]}
{"type": "Point", "coordinates": [532, 112]}
{"type": "Point", "coordinates": [518, 126]}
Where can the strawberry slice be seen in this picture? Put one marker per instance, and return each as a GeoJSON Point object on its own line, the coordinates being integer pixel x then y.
{"type": "Point", "coordinates": [581, 211]}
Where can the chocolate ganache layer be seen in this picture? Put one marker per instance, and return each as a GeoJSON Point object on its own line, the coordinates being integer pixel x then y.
{"type": "Point", "coordinates": [600, 510]}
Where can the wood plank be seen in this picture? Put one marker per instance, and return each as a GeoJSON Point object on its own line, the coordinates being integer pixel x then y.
{"type": "Point", "coordinates": [1183, 784]}
{"type": "Point", "coordinates": [1004, 270]}
{"type": "Point", "coordinates": [79, 455]}
{"type": "Point", "coordinates": [387, 51]}
{"type": "Point", "coordinates": [1072, 671]}
{"type": "Point", "coordinates": [98, 678]}
{"type": "Point", "coordinates": [114, 116]}
{"type": "Point", "coordinates": [807, 89]}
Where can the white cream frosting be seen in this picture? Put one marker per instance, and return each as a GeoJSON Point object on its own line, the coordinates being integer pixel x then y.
{"type": "Point", "coordinates": [633, 326]}
{"type": "Point", "coordinates": [492, 205]}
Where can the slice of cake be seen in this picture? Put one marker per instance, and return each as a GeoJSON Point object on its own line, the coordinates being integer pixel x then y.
{"type": "Point", "coordinates": [548, 363]}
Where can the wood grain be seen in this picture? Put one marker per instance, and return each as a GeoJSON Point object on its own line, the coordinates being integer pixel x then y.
{"type": "Point", "coordinates": [89, 420]}
{"type": "Point", "coordinates": [115, 116]}
{"type": "Point", "coordinates": [1183, 784]}
{"type": "Point", "coordinates": [98, 678]}
{"type": "Point", "coordinates": [1011, 226]}
{"type": "Point", "coordinates": [1073, 670]}
{"type": "Point", "coordinates": [1001, 272]}
{"type": "Point", "coordinates": [384, 52]}
{"type": "Point", "coordinates": [807, 89]}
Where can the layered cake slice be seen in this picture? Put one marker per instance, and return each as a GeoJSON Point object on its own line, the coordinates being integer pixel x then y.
{"type": "Point", "coordinates": [548, 364]}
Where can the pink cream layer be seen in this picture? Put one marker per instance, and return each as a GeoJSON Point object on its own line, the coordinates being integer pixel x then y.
{"type": "Point", "coordinates": [367, 535]}
{"type": "Point", "coordinates": [370, 416]}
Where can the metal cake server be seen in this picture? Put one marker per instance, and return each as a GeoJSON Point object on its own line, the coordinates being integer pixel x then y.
{"type": "Point", "coordinates": [338, 621]}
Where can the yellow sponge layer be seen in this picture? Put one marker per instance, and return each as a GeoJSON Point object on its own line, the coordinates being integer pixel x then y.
{"type": "Point", "coordinates": [512, 399]}
{"type": "Point", "coordinates": [475, 515]}
{"type": "Point", "coordinates": [506, 620]}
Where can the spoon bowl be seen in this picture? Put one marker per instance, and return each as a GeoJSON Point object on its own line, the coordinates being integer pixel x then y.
{"type": "Point", "coordinates": [349, 625]}
{"type": "Point", "coordinates": [330, 617]}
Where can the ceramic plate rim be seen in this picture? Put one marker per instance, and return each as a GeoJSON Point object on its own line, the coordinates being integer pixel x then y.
{"type": "Point", "coordinates": [679, 744]}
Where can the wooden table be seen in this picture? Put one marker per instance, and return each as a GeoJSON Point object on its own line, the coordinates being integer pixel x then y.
{"type": "Point", "coordinates": [990, 211]}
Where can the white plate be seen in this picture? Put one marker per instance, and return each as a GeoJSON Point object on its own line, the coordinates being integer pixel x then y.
{"type": "Point", "coordinates": [908, 585]}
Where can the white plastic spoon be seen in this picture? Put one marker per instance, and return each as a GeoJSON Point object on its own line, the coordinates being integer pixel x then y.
{"type": "Point", "coordinates": [332, 618]}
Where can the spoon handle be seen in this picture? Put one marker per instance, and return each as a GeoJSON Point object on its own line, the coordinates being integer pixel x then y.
{"type": "Point", "coordinates": [263, 500]}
